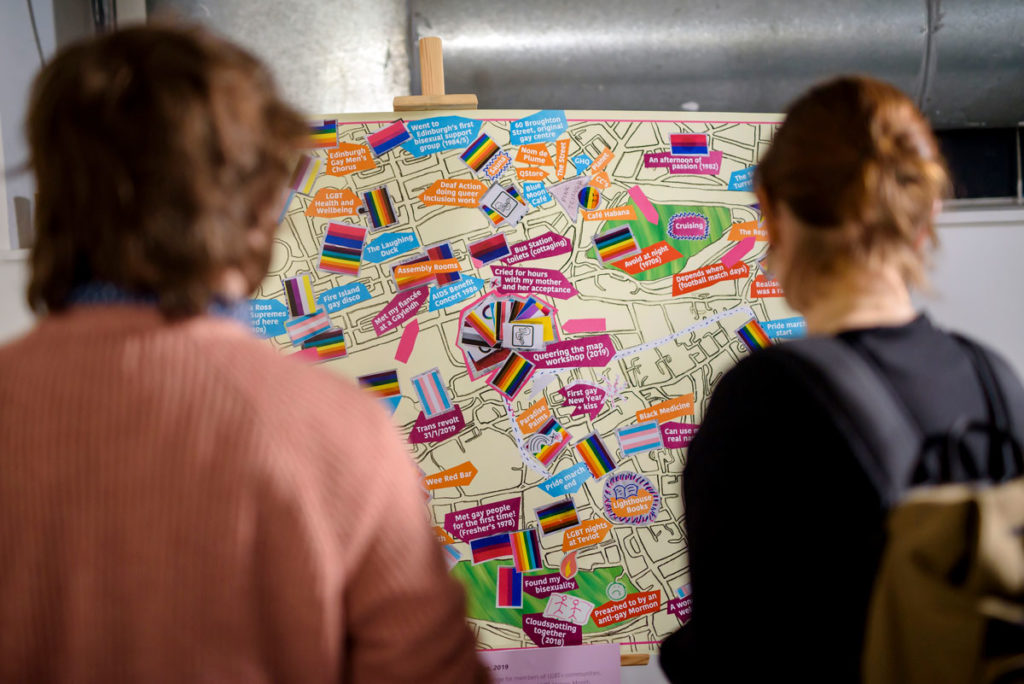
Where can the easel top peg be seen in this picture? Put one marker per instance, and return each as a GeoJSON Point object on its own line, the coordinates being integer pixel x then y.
{"type": "Point", "coordinates": [432, 83]}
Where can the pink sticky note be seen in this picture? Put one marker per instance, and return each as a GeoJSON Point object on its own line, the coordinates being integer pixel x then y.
{"type": "Point", "coordinates": [739, 251]}
{"type": "Point", "coordinates": [584, 325]}
{"type": "Point", "coordinates": [307, 355]}
{"type": "Point", "coordinates": [408, 341]}
{"type": "Point", "coordinates": [644, 204]}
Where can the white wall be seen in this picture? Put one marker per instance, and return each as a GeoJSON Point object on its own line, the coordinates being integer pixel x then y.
{"type": "Point", "coordinates": [19, 61]}
{"type": "Point", "coordinates": [15, 317]}
{"type": "Point", "coordinates": [977, 278]}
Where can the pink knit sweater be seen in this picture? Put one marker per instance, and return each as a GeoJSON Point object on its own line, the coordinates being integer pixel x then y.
{"type": "Point", "coordinates": [179, 503]}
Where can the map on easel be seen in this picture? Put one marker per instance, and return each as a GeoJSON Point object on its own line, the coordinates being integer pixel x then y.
{"type": "Point", "coordinates": [544, 301]}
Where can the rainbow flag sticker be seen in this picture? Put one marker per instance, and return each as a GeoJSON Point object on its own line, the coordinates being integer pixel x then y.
{"type": "Point", "coordinates": [493, 216]}
{"type": "Point", "coordinates": [548, 441]}
{"type": "Point", "coordinates": [532, 308]}
{"type": "Point", "coordinates": [301, 328]}
{"type": "Point", "coordinates": [479, 152]}
{"type": "Point", "coordinates": [384, 386]}
{"type": "Point", "coordinates": [342, 248]}
{"type": "Point", "coordinates": [489, 249]}
{"type": "Point", "coordinates": [432, 395]}
{"type": "Point", "coordinates": [324, 134]}
{"type": "Point", "coordinates": [639, 438]}
{"type": "Point", "coordinates": [408, 281]}
{"type": "Point", "coordinates": [304, 175]}
{"type": "Point", "coordinates": [329, 344]}
{"type": "Point", "coordinates": [526, 550]}
{"type": "Point", "coordinates": [387, 138]}
{"type": "Point", "coordinates": [512, 375]}
{"type": "Point", "coordinates": [377, 205]}
{"type": "Point", "coordinates": [557, 516]}
{"type": "Point", "coordinates": [490, 548]}
{"type": "Point", "coordinates": [616, 244]}
{"type": "Point", "coordinates": [689, 143]}
{"type": "Point", "coordinates": [589, 198]}
{"type": "Point", "coordinates": [299, 292]}
{"type": "Point", "coordinates": [596, 455]}
{"type": "Point", "coordinates": [443, 251]}
{"type": "Point", "coordinates": [753, 335]}
{"type": "Point", "coordinates": [510, 588]}
{"type": "Point", "coordinates": [477, 331]}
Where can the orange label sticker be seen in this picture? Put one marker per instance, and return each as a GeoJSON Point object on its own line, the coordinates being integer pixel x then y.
{"type": "Point", "coordinates": [561, 157]}
{"type": "Point", "coordinates": [531, 173]}
{"type": "Point", "coordinates": [626, 213]}
{"type": "Point", "coordinates": [496, 167]}
{"type": "Point", "coordinates": [651, 257]}
{"type": "Point", "coordinates": [348, 158]}
{"type": "Point", "coordinates": [535, 154]}
{"type": "Point", "coordinates": [639, 504]}
{"type": "Point", "coordinates": [333, 202]}
{"type": "Point", "coordinates": [585, 534]}
{"type": "Point", "coordinates": [454, 192]}
{"type": "Point", "coordinates": [601, 181]}
{"type": "Point", "coordinates": [689, 281]}
{"type": "Point", "coordinates": [424, 268]}
{"type": "Point", "coordinates": [748, 229]}
{"type": "Point", "coordinates": [762, 287]}
{"type": "Point", "coordinates": [602, 160]}
{"type": "Point", "coordinates": [442, 535]}
{"type": "Point", "coordinates": [634, 605]}
{"type": "Point", "coordinates": [458, 476]}
{"type": "Point", "coordinates": [667, 410]}
{"type": "Point", "coordinates": [534, 417]}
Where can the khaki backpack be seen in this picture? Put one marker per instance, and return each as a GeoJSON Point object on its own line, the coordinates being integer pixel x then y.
{"type": "Point", "coordinates": [948, 603]}
{"type": "Point", "coordinates": [948, 600]}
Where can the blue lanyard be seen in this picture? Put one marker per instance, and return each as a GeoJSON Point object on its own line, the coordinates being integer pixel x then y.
{"type": "Point", "coordinates": [99, 294]}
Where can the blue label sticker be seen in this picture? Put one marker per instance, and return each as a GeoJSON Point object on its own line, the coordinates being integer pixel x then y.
{"type": "Point", "coordinates": [544, 126]}
{"type": "Point", "coordinates": [582, 162]}
{"type": "Point", "coordinates": [786, 328]}
{"type": "Point", "coordinates": [338, 298]}
{"type": "Point", "coordinates": [742, 179]}
{"type": "Point", "coordinates": [267, 317]}
{"type": "Point", "coordinates": [388, 246]}
{"type": "Point", "coordinates": [535, 193]}
{"type": "Point", "coordinates": [567, 481]}
{"type": "Point", "coordinates": [453, 293]}
{"type": "Point", "coordinates": [440, 133]}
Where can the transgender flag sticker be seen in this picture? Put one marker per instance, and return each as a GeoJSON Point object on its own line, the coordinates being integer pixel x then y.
{"type": "Point", "coordinates": [431, 393]}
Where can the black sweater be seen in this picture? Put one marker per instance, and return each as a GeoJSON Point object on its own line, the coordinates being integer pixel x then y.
{"type": "Point", "coordinates": [783, 528]}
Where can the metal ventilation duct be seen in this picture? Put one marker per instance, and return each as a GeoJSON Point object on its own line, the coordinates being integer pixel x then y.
{"type": "Point", "coordinates": [961, 60]}
{"type": "Point", "coordinates": [327, 55]}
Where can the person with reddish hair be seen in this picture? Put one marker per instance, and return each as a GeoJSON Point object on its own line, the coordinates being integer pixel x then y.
{"type": "Point", "coordinates": [178, 502]}
{"type": "Point", "coordinates": [785, 525]}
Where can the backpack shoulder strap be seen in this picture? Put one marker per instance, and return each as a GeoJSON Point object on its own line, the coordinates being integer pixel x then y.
{"type": "Point", "coordinates": [1004, 401]}
{"type": "Point", "coordinates": [875, 423]}
{"type": "Point", "coordinates": [1002, 386]}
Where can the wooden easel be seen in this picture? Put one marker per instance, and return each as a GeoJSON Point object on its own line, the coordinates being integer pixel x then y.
{"type": "Point", "coordinates": [432, 83]}
{"type": "Point", "coordinates": [434, 97]}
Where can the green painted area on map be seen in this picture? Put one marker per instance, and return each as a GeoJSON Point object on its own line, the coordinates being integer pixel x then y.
{"type": "Point", "coordinates": [647, 234]}
{"type": "Point", "coordinates": [481, 583]}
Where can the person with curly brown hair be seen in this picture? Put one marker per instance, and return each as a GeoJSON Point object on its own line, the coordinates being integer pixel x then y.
{"type": "Point", "coordinates": [178, 502]}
